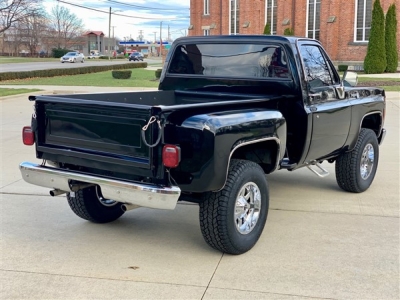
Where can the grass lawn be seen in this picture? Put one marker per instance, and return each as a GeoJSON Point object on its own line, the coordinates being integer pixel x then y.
{"type": "Point", "coordinates": [389, 84]}
{"type": "Point", "coordinates": [146, 78]}
{"type": "Point", "coordinates": [9, 92]}
{"type": "Point", "coordinates": [139, 78]}
{"type": "Point", "coordinates": [11, 59]}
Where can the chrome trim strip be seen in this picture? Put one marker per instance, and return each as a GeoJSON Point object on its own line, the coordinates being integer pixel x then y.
{"type": "Point", "coordinates": [145, 195]}
{"type": "Point", "coordinates": [373, 113]}
{"type": "Point", "coordinates": [278, 142]}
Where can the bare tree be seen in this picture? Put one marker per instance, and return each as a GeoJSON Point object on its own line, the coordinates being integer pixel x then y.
{"type": "Point", "coordinates": [13, 11]}
{"type": "Point", "coordinates": [66, 25]}
{"type": "Point", "coordinates": [33, 30]}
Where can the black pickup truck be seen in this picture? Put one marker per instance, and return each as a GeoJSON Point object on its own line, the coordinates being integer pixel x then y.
{"type": "Point", "coordinates": [229, 109]}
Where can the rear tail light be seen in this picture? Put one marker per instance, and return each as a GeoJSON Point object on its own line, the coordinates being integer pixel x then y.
{"type": "Point", "coordinates": [171, 156]}
{"type": "Point", "coordinates": [28, 136]}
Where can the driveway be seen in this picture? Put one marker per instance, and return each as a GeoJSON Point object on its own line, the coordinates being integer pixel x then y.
{"type": "Point", "coordinates": [319, 242]}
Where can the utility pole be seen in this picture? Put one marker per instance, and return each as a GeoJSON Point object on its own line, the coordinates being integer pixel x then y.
{"type": "Point", "coordinates": [161, 40]}
{"type": "Point", "coordinates": [113, 39]}
{"type": "Point", "coordinates": [109, 33]}
{"type": "Point", "coordinates": [169, 34]}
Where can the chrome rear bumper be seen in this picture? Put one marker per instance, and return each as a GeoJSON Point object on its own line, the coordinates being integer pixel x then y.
{"type": "Point", "coordinates": [122, 191]}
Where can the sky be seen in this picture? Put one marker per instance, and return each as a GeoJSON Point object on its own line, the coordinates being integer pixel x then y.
{"type": "Point", "coordinates": [129, 17]}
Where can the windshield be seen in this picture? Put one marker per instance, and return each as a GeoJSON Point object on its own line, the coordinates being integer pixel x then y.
{"type": "Point", "coordinates": [71, 54]}
{"type": "Point", "coordinates": [230, 60]}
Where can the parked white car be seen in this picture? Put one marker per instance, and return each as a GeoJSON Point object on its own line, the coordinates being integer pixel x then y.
{"type": "Point", "coordinates": [73, 57]}
{"type": "Point", "coordinates": [94, 55]}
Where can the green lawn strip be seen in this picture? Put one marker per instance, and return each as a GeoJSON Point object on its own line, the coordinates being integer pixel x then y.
{"type": "Point", "coordinates": [388, 84]}
{"type": "Point", "coordinates": [9, 92]}
{"type": "Point", "coordinates": [391, 88]}
{"type": "Point", "coordinates": [139, 78]}
{"type": "Point", "coordinates": [11, 60]}
{"type": "Point", "coordinates": [368, 79]}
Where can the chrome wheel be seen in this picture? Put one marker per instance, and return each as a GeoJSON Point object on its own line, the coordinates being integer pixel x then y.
{"type": "Point", "coordinates": [367, 161]}
{"type": "Point", "coordinates": [247, 208]}
{"type": "Point", "coordinates": [104, 201]}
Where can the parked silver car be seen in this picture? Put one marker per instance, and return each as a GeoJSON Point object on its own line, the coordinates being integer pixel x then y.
{"type": "Point", "coordinates": [73, 57]}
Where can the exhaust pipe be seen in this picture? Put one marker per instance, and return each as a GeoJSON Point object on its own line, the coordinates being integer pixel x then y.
{"type": "Point", "coordinates": [126, 206]}
{"type": "Point", "coordinates": [54, 193]}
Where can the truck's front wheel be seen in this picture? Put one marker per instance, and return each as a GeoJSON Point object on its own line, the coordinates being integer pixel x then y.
{"type": "Point", "coordinates": [233, 219]}
{"type": "Point", "coordinates": [90, 205]}
{"type": "Point", "coordinates": [356, 170]}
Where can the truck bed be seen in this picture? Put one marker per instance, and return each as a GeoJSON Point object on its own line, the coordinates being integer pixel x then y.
{"type": "Point", "coordinates": [102, 133]}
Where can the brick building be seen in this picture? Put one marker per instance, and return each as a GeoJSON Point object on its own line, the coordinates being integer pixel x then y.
{"type": "Point", "coordinates": [342, 26]}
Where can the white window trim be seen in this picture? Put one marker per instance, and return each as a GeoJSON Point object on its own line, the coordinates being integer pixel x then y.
{"type": "Point", "coordinates": [272, 15]}
{"type": "Point", "coordinates": [230, 18]}
{"type": "Point", "coordinates": [314, 17]}
{"type": "Point", "coordinates": [364, 20]}
{"type": "Point", "coordinates": [206, 7]}
{"type": "Point", "coordinates": [206, 32]}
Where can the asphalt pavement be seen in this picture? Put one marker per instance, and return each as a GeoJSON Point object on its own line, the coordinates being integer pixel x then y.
{"type": "Point", "coordinates": [319, 241]}
{"type": "Point", "coordinates": [47, 65]}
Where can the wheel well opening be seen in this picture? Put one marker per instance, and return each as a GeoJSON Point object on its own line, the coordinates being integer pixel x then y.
{"type": "Point", "coordinates": [263, 153]}
{"type": "Point", "coordinates": [372, 122]}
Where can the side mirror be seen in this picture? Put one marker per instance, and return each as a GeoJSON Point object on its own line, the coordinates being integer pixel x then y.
{"type": "Point", "coordinates": [349, 79]}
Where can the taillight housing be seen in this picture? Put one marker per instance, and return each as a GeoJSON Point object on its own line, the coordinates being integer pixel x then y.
{"type": "Point", "coordinates": [171, 156]}
{"type": "Point", "coordinates": [28, 136]}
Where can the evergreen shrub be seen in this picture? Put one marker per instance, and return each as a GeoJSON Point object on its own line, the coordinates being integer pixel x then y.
{"type": "Point", "coordinates": [158, 73]}
{"type": "Point", "coordinates": [391, 40]}
{"type": "Point", "coordinates": [121, 74]}
{"type": "Point", "coordinates": [375, 60]}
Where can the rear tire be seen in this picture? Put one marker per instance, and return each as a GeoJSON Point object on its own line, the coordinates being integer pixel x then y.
{"type": "Point", "coordinates": [89, 204]}
{"type": "Point", "coordinates": [233, 219]}
{"type": "Point", "coordinates": [355, 170]}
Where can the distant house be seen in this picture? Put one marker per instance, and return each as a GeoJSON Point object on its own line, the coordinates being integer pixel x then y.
{"type": "Point", "coordinates": [94, 42]}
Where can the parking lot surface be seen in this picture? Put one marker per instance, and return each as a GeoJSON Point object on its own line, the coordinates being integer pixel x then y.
{"type": "Point", "coordinates": [319, 242]}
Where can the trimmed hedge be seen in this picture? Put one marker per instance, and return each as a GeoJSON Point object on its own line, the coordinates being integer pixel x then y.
{"type": "Point", "coordinates": [73, 71]}
{"type": "Point", "coordinates": [158, 73]}
{"type": "Point", "coordinates": [121, 74]}
{"type": "Point", "coordinates": [267, 29]}
{"type": "Point", "coordinates": [288, 31]}
{"type": "Point", "coordinates": [343, 68]}
{"type": "Point", "coordinates": [112, 57]}
{"type": "Point", "coordinates": [58, 52]}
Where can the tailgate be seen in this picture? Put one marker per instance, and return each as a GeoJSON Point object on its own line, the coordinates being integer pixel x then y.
{"type": "Point", "coordinates": [94, 133]}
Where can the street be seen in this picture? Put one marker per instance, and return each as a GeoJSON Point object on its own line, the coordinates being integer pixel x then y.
{"type": "Point", "coordinates": [18, 67]}
{"type": "Point", "coordinates": [319, 241]}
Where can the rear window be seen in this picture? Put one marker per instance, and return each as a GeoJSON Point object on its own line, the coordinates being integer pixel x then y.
{"type": "Point", "coordinates": [230, 60]}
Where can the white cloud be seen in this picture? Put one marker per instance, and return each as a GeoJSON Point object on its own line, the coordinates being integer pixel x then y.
{"type": "Point", "coordinates": [144, 15]}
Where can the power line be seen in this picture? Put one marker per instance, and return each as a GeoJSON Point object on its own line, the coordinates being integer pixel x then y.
{"type": "Point", "coordinates": [145, 7]}
{"type": "Point", "coordinates": [102, 11]}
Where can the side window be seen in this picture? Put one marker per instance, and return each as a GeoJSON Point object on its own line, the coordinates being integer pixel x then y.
{"type": "Point", "coordinates": [318, 72]}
